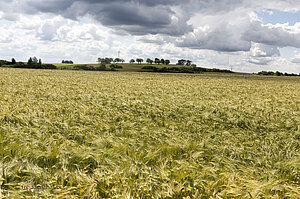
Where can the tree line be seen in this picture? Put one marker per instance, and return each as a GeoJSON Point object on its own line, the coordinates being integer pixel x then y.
{"type": "Point", "coordinates": [277, 73]}
{"type": "Point", "coordinates": [183, 69]}
{"type": "Point", "coordinates": [181, 62]}
{"type": "Point", "coordinates": [150, 61]}
{"type": "Point", "coordinates": [32, 62]}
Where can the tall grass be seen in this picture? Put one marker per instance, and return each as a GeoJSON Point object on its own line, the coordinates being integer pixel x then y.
{"type": "Point", "coordinates": [74, 134]}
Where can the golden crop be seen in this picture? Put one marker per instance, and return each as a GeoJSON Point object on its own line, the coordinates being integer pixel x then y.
{"type": "Point", "coordinates": [74, 134]}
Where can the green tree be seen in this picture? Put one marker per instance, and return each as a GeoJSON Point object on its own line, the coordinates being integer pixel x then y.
{"type": "Point", "coordinates": [167, 62]}
{"type": "Point", "coordinates": [157, 61]}
{"type": "Point", "coordinates": [102, 62]}
{"type": "Point", "coordinates": [105, 60]}
{"type": "Point", "coordinates": [188, 63]}
{"type": "Point", "coordinates": [67, 62]}
{"type": "Point", "coordinates": [149, 61]}
{"type": "Point", "coordinates": [35, 60]}
{"type": "Point", "coordinates": [117, 60]}
{"type": "Point", "coordinates": [181, 62]}
{"type": "Point", "coordinates": [139, 60]}
{"type": "Point", "coordinates": [132, 61]}
{"type": "Point", "coordinates": [30, 61]}
{"type": "Point", "coordinates": [13, 61]}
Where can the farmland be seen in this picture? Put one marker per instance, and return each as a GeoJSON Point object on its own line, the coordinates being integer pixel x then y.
{"type": "Point", "coordinates": [77, 134]}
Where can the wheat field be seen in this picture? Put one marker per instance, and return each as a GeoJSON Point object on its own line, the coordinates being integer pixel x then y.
{"type": "Point", "coordinates": [75, 134]}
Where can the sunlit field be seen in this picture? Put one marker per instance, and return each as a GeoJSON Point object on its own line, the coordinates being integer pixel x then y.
{"type": "Point", "coordinates": [76, 134]}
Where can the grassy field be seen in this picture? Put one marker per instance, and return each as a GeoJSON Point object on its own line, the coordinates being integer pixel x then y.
{"type": "Point", "coordinates": [62, 66]}
{"type": "Point", "coordinates": [127, 67]}
{"type": "Point", "coordinates": [77, 134]}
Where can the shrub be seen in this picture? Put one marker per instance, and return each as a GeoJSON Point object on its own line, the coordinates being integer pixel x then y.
{"type": "Point", "coordinates": [102, 67]}
{"type": "Point", "coordinates": [84, 67]}
{"type": "Point", "coordinates": [90, 67]}
{"type": "Point", "coordinates": [34, 66]}
{"type": "Point", "coordinates": [277, 73]}
{"type": "Point", "coordinates": [48, 66]}
{"type": "Point", "coordinates": [19, 65]}
{"type": "Point", "coordinates": [3, 62]}
{"type": "Point", "coordinates": [150, 68]}
{"type": "Point", "coordinates": [116, 66]}
{"type": "Point", "coordinates": [266, 73]}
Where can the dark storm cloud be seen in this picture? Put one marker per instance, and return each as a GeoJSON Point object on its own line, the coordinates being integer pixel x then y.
{"type": "Point", "coordinates": [136, 17]}
{"type": "Point", "coordinates": [114, 14]}
{"type": "Point", "coordinates": [52, 6]}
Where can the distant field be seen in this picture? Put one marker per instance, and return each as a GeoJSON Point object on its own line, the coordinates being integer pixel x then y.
{"type": "Point", "coordinates": [64, 66]}
{"type": "Point", "coordinates": [76, 134]}
{"type": "Point", "coordinates": [126, 66]}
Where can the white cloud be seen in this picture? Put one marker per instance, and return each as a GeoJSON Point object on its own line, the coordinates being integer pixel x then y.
{"type": "Point", "coordinates": [276, 35]}
{"type": "Point", "coordinates": [262, 50]}
{"type": "Point", "coordinates": [48, 29]}
{"type": "Point", "coordinates": [296, 59]}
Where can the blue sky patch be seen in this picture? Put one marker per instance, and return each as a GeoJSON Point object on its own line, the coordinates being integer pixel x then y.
{"type": "Point", "coordinates": [279, 17]}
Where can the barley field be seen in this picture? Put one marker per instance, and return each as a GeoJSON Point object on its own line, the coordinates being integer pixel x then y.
{"type": "Point", "coordinates": [76, 134]}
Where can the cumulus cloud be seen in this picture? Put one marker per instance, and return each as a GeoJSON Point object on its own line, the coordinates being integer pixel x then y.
{"type": "Point", "coordinates": [262, 54]}
{"type": "Point", "coordinates": [271, 35]}
{"type": "Point", "coordinates": [263, 50]}
{"type": "Point", "coordinates": [49, 29]}
{"type": "Point", "coordinates": [6, 13]}
{"type": "Point", "coordinates": [140, 17]}
{"type": "Point", "coordinates": [173, 18]}
{"type": "Point", "coordinates": [222, 38]}
{"type": "Point", "coordinates": [296, 59]}
{"type": "Point", "coordinates": [6, 36]}
{"type": "Point", "coordinates": [226, 33]}
{"type": "Point", "coordinates": [134, 16]}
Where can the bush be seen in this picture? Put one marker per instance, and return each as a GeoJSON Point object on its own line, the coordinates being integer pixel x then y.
{"type": "Point", "coordinates": [84, 67]}
{"type": "Point", "coordinates": [277, 73]}
{"type": "Point", "coordinates": [184, 69]}
{"type": "Point", "coordinates": [114, 66]}
{"type": "Point", "coordinates": [150, 68]}
{"type": "Point", "coordinates": [102, 67]}
{"type": "Point", "coordinates": [34, 66]}
{"type": "Point", "coordinates": [90, 67]}
{"type": "Point", "coordinates": [266, 73]}
{"type": "Point", "coordinates": [3, 62]}
{"type": "Point", "coordinates": [48, 66]}
{"type": "Point", "coordinates": [19, 65]}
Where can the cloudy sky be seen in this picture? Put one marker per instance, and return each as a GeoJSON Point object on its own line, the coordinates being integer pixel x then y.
{"type": "Point", "coordinates": [248, 35]}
